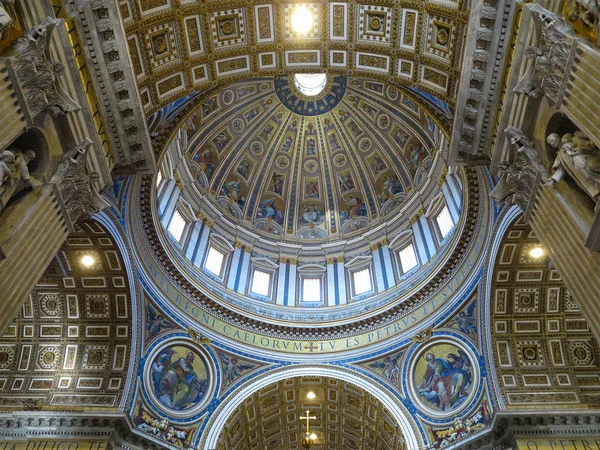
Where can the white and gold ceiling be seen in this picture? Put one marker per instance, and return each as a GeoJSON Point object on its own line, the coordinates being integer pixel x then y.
{"type": "Point", "coordinates": [178, 47]}
{"type": "Point", "coordinates": [310, 169]}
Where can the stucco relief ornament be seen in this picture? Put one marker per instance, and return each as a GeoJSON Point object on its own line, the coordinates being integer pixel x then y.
{"type": "Point", "coordinates": [38, 76]}
{"type": "Point", "coordinates": [579, 157]}
{"type": "Point", "coordinates": [548, 60]}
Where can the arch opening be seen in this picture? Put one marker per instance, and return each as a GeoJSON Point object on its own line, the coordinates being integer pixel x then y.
{"type": "Point", "coordinates": [345, 405]}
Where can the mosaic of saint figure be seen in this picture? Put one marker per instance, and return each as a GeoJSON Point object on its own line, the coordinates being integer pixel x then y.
{"type": "Point", "coordinates": [446, 379]}
{"type": "Point", "coordinates": [179, 378]}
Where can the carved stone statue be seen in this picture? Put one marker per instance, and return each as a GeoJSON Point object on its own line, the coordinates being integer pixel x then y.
{"type": "Point", "coordinates": [6, 20]}
{"type": "Point", "coordinates": [545, 71]}
{"type": "Point", "coordinates": [76, 184]}
{"type": "Point", "coordinates": [579, 157]}
{"type": "Point", "coordinates": [14, 174]}
{"type": "Point", "coordinates": [524, 147]}
{"type": "Point", "coordinates": [38, 75]}
{"type": "Point", "coordinates": [518, 179]}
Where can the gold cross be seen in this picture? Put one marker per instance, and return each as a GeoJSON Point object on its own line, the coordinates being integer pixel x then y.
{"type": "Point", "coordinates": [307, 418]}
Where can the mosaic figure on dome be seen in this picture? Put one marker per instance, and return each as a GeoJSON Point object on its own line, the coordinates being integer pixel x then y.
{"type": "Point", "coordinates": [377, 164]}
{"type": "Point", "coordinates": [266, 132]}
{"type": "Point", "coordinates": [411, 105]}
{"type": "Point", "coordinates": [232, 190]}
{"type": "Point", "coordinates": [191, 123]}
{"type": "Point", "coordinates": [346, 182]}
{"type": "Point", "coordinates": [444, 377]}
{"type": "Point", "coordinates": [205, 159]}
{"type": "Point", "coordinates": [251, 114]}
{"type": "Point", "coordinates": [267, 227]}
{"type": "Point", "coordinates": [415, 153]}
{"type": "Point", "coordinates": [179, 378]}
{"type": "Point", "coordinates": [277, 184]}
{"type": "Point", "coordinates": [209, 106]}
{"type": "Point", "coordinates": [333, 141]}
{"type": "Point", "coordinates": [355, 208]}
{"type": "Point", "coordinates": [233, 368]}
{"type": "Point", "coordinates": [368, 109]}
{"type": "Point", "coordinates": [221, 140]}
{"type": "Point", "coordinates": [244, 168]}
{"type": "Point", "coordinates": [287, 145]}
{"type": "Point", "coordinates": [312, 188]}
{"type": "Point", "coordinates": [430, 124]}
{"type": "Point", "coordinates": [391, 187]}
{"type": "Point", "coordinates": [400, 137]}
{"type": "Point", "coordinates": [312, 215]}
{"type": "Point", "coordinates": [356, 132]}
{"type": "Point", "coordinates": [269, 210]}
{"type": "Point", "coordinates": [311, 147]}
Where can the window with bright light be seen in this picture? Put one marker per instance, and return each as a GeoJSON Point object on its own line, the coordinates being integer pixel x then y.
{"type": "Point", "coordinates": [408, 258]}
{"type": "Point", "coordinates": [214, 261]}
{"type": "Point", "coordinates": [311, 289]}
{"type": "Point", "coordinates": [362, 281]}
{"type": "Point", "coordinates": [261, 281]}
{"type": "Point", "coordinates": [158, 178]}
{"type": "Point", "coordinates": [310, 84]}
{"type": "Point", "coordinates": [444, 221]}
{"type": "Point", "coordinates": [177, 225]}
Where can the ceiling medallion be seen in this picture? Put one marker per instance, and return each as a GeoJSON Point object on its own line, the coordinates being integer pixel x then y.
{"type": "Point", "coordinates": [327, 98]}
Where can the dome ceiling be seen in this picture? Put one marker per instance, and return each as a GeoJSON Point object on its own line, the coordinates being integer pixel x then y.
{"type": "Point", "coordinates": [294, 167]}
{"type": "Point", "coordinates": [178, 47]}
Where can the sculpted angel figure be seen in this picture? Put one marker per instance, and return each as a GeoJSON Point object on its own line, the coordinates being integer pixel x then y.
{"type": "Point", "coordinates": [579, 157]}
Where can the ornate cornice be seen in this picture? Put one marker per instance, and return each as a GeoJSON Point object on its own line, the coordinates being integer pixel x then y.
{"type": "Point", "coordinates": [115, 428]}
{"type": "Point", "coordinates": [118, 100]}
{"type": "Point", "coordinates": [459, 253]}
{"type": "Point", "coordinates": [507, 427]}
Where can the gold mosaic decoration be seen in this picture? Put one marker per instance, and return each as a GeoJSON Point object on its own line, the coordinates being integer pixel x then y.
{"type": "Point", "coordinates": [235, 39]}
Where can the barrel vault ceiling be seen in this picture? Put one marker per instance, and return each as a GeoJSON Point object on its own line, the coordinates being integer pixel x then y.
{"type": "Point", "coordinates": [347, 417]}
{"type": "Point", "coordinates": [178, 47]}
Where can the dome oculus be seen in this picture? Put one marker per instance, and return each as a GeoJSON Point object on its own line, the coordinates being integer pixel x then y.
{"type": "Point", "coordinates": [310, 84]}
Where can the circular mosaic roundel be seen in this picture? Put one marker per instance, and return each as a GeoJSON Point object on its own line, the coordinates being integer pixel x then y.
{"type": "Point", "coordinates": [444, 377]}
{"type": "Point", "coordinates": [179, 378]}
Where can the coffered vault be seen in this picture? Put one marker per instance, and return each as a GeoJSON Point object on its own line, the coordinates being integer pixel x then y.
{"type": "Point", "coordinates": [178, 47]}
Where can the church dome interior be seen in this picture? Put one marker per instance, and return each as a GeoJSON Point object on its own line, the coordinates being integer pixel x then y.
{"type": "Point", "coordinates": [286, 225]}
